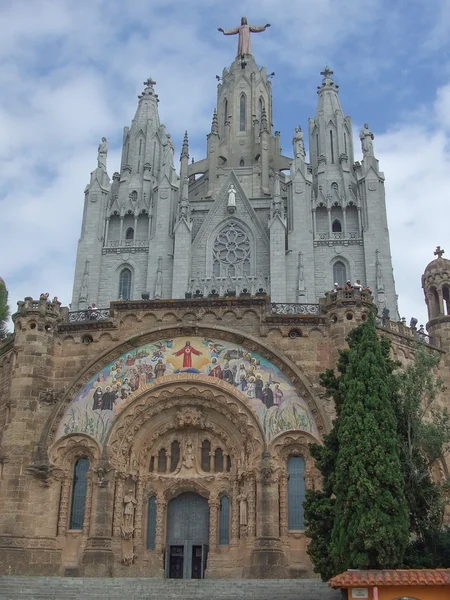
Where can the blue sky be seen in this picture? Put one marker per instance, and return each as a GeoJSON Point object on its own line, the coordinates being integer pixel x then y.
{"type": "Point", "coordinates": [70, 73]}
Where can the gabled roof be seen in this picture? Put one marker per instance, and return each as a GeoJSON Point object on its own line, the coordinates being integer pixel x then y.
{"type": "Point", "coordinates": [392, 577]}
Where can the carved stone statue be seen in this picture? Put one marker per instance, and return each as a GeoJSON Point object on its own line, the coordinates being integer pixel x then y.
{"type": "Point", "coordinates": [231, 206]}
{"type": "Point", "coordinates": [159, 279]}
{"type": "Point", "coordinates": [243, 509]}
{"type": "Point", "coordinates": [85, 283]}
{"type": "Point", "coordinates": [128, 515]}
{"type": "Point", "coordinates": [189, 458]}
{"type": "Point", "coordinates": [298, 143]}
{"type": "Point", "coordinates": [244, 30]}
{"type": "Point", "coordinates": [366, 137]}
{"type": "Point", "coordinates": [168, 152]}
{"type": "Point", "coordinates": [102, 153]}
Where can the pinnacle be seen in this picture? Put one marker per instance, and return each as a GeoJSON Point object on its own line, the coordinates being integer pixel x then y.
{"type": "Point", "coordinates": [215, 123]}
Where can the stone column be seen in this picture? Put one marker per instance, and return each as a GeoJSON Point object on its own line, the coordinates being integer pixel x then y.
{"type": "Point", "coordinates": [251, 506]}
{"type": "Point", "coordinates": [138, 512]}
{"type": "Point", "coordinates": [161, 506]}
{"type": "Point", "coordinates": [117, 521]}
{"type": "Point", "coordinates": [283, 481]}
{"type": "Point", "coordinates": [64, 505]}
{"type": "Point", "coordinates": [330, 227]}
{"type": "Point", "coordinates": [267, 560]}
{"type": "Point", "coordinates": [213, 523]}
{"type": "Point", "coordinates": [344, 213]}
{"type": "Point", "coordinates": [234, 511]}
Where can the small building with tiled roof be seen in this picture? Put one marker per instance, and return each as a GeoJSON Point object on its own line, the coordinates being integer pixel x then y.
{"type": "Point", "coordinates": [398, 584]}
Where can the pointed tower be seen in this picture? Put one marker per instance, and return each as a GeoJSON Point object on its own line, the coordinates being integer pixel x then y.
{"type": "Point", "coordinates": [127, 226]}
{"type": "Point", "coordinates": [349, 223]}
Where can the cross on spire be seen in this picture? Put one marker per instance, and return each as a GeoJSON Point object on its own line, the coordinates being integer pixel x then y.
{"type": "Point", "coordinates": [327, 72]}
{"type": "Point", "coordinates": [150, 82]}
{"type": "Point", "coordinates": [438, 252]}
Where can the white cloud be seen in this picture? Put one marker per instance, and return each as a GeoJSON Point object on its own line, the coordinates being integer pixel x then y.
{"type": "Point", "coordinates": [71, 72]}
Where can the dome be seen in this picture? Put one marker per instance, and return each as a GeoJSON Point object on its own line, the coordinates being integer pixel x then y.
{"type": "Point", "coordinates": [437, 271]}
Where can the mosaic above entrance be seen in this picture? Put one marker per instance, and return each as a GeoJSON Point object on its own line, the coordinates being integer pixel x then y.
{"type": "Point", "coordinates": [276, 401]}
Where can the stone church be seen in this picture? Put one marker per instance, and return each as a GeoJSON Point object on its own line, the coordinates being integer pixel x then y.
{"type": "Point", "coordinates": [161, 426]}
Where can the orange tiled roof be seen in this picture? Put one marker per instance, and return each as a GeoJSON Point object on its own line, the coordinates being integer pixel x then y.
{"type": "Point", "coordinates": [391, 577]}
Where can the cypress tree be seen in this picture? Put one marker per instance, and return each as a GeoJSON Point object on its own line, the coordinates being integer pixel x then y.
{"type": "Point", "coordinates": [371, 525]}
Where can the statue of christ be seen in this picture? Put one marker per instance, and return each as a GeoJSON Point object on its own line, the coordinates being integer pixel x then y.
{"type": "Point", "coordinates": [244, 30]}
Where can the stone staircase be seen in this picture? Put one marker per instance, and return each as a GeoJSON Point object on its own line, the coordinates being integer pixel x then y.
{"type": "Point", "coordinates": [78, 588]}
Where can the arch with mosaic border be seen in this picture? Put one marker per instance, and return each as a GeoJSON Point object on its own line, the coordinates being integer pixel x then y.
{"type": "Point", "coordinates": [289, 369]}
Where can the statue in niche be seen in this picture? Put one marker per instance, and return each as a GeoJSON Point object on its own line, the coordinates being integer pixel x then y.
{"type": "Point", "coordinates": [366, 137]}
{"type": "Point", "coordinates": [231, 206]}
{"type": "Point", "coordinates": [189, 458]}
{"type": "Point", "coordinates": [298, 143]}
{"type": "Point", "coordinates": [243, 509]}
{"type": "Point", "coordinates": [102, 153]}
{"type": "Point", "coordinates": [128, 514]}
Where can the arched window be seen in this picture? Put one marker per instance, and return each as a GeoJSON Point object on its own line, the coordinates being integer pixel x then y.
{"type": "Point", "coordinates": [129, 235]}
{"type": "Point", "coordinates": [133, 196]}
{"type": "Point", "coordinates": [433, 303]}
{"type": "Point", "coordinates": [246, 267]}
{"type": "Point", "coordinates": [228, 464]}
{"type": "Point", "coordinates": [332, 146]}
{"type": "Point", "coordinates": [151, 523]}
{"type": "Point", "coordinates": [339, 273]}
{"type": "Point", "coordinates": [446, 298]}
{"type": "Point", "coordinates": [174, 455]}
{"type": "Point", "coordinates": [218, 461]}
{"type": "Point", "coordinates": [206, 449]}
{"type": "Point", "coordinates": [260, 108]}
{"type": "Point", "coordinates": [224, 521]}
{"type": "Point", "coordinates": [162, 461]}
{"type": "Point", "coordinates": [334, 187]}
{"type": "Point", "coordinates": [242, 113]}
{"type": "Point", "coordinates": [216, 268]}
{"type": "Point", "coordinates": [79, 490]}
{"type": "Point", "coordinates": [242, 163]}
{"type": "Point", "coordinates": [336, 227]}
{"type": "Point", "coordinates": [125, 284]}
{"type": "Point", "coordinates": [225, 111]}
{"type": "Point", "coordinates": [296, 492]}
{"type": "Point", "coordinates": [152, 464]}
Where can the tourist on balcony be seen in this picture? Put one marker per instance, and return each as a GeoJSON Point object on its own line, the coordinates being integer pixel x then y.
{"type": "Point", "coordinates": [358, 285]}
{"type": "Point", "coordinates": [336, 288]}
{"type": "Point", "coordinates": [348, 286]}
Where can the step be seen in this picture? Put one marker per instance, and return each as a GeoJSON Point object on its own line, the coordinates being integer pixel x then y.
{"type": "Point", "coordinates": [139, 588]}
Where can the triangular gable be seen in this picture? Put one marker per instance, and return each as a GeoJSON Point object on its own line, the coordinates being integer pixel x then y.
{"type": "Point", "coordinates": [222, 198]}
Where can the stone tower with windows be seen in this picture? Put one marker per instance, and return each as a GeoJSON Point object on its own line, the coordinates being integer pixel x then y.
{"type": "Point", "coordinates": [243, 220]}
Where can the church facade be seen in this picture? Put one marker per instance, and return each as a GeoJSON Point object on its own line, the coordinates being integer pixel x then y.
{"type": "Point", "coordinates": [161, 426]}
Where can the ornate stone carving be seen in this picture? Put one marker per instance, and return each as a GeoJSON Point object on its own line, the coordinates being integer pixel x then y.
{"type": "Point", "coordinates": [49, 397]}
{"type": "Point", "coordinates": [190, 417]}
{"type": "Point", "coordinates": [130, 502]}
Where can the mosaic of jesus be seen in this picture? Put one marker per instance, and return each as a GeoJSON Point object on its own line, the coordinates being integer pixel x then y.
{"type": "Point", "coordinates": [276, 401]}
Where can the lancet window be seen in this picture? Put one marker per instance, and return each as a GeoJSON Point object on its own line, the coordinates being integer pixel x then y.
{"type": "Point", "coordinates": [242, 113]}
{"type": "Point", "coordinates": [174, 455]}
{"type": "Point", "coordinates": [296, 492]}
{"type": "Point", "coordinates": [129, 235]}
{"type": "Point", "coordinates": [224, 520]}
{"type": "Point", "coordinates": [79, 490]}
{"type": "Point", "coordinates": [339, 273]}
{"type": "Point", "coordinates": [205, 458]}
{"type": "Point", "coordinates": [232, 252]}
{"type": "Point", "coordinates": [125, 284]}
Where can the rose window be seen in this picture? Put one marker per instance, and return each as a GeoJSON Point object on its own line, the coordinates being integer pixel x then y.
{"type": "Point", "coordinates": [231, 250]}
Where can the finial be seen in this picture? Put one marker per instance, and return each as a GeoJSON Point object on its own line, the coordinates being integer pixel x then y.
{"type": "Point", "coordinates": [149, 91]}
{"type": "Point", "coordinates": [438, 252]}
{"type": "Point", "coordinates": [326, 73]}
{"type": "Point", "coordinates": [185, 148]}
{"type": "Point", "coordinates": [215, 123]}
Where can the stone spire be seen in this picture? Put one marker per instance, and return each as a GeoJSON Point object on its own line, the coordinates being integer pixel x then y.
{"type": "Point", "coordinates": [215, 123]}
{"type": "Point", "coordinates": [185, 148]}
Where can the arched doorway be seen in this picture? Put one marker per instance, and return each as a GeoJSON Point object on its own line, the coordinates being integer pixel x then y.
{"type": "Point", "coordinates": [187, 536]}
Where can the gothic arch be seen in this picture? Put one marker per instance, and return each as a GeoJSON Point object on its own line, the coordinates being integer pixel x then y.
{"type": "Point", "coordinates": [289, 369]}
